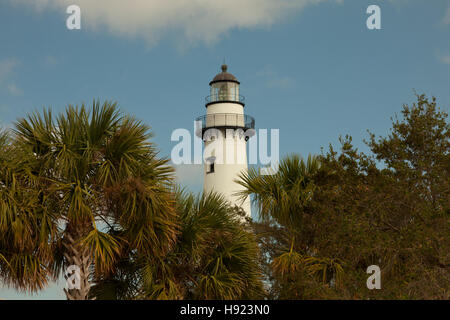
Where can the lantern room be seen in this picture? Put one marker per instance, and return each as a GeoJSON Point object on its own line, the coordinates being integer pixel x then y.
{"type": "Point", "coordinates": [224, 88]}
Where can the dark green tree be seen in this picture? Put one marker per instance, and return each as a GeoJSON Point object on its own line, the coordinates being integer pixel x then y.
{"type": "Point", "coordinates": [326, 220]}
{"type": "Point", "coordinates": [77, 190]}
{"type": "Point", "coordinates": [215, 257]}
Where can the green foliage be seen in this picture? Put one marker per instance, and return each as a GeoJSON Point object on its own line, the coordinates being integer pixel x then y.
{"type": "Point", "coordinates": [342, 212]}
{"type": "Point", "coordinates": [275, 195]}
{"type": "Point", "coordinates": [24, 225]}
{"type": "Point", "coordinates": [79, 188]}
{"type": "Point", "coordinates": [214, 257]}
{"type": "Point", "coordinates": [89, 188]}
{"type": "Point", "coordinates": [217, 253]}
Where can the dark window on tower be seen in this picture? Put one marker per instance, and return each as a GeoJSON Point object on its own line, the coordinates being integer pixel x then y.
{"type": "Point", "coordinates": [210, 164]}
{"type": "Point", "coordinates": [210, 167]}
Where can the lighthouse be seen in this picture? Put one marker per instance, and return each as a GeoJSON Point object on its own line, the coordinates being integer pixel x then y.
{"type": "Point", "coordinates": [225, 130]}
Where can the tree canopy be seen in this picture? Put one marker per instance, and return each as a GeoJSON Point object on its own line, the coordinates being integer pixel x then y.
{"type": "Point", "coordinates": [324, 221]}
{"type": "Point", "coordinates": [87, 188]}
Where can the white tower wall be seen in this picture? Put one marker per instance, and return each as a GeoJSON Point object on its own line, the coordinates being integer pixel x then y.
{"type": "Point", "coordinates": [222, 179]}
{"type": "Point", "coordinates": [226, 111]}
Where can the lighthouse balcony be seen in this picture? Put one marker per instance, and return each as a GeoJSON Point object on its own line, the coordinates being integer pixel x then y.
{"type": "Point", "coordinates": [224, 121]}
{"type": "Point", "coordinates": [226, 97]}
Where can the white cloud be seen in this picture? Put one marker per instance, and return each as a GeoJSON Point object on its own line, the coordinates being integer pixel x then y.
{"type": "Point", "coordinates": [447, 16]}
{"type": "Point", "coordinates": [274, 80]}
{"type": "Point", "coordinates": [14, 90]}
{"type": "Point", "coordinates": [4, 109]}
{"type": "Point", "coordinates": [445, 59]}
{"type": "Point", "coordinates": [281, 82]}
{"type": "Point", "coordinates": [50, 61]}
{"type": "Point", "coordinates": [7, 67]}
{"type": "Point", "coordinates": [194, 20]}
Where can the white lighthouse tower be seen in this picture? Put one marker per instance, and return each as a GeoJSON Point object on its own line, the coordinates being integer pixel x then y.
{"type": "Point", "coordinates": [225, 131]}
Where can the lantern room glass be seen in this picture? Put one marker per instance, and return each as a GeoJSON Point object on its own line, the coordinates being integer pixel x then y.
{"type": "Point", "coordinates": [224, 91]}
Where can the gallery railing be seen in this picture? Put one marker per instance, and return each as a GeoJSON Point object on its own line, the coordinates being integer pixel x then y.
{"type": "Point", "coordinates": [225, 120]}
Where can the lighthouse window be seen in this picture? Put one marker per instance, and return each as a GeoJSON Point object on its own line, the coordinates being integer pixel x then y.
{"type": "Point", "coordinates": [225, 91]}
{"type": "Point", "coordinates": [210, 167]}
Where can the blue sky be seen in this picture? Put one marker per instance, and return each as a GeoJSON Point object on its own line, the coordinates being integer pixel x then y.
{"type": "Point", "coordinates": [309, 68]}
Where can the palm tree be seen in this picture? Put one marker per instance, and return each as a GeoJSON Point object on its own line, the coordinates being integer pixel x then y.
{"type": "Point", "coordinates": [283, 196]}
{"type": "Point", "coordinates": [96, 187]}
{"type": "Point", "coordinates": [24, 257]}
{"type": "Point", "coordinates": [285, 203]}
{"type": "Point", "coordinates": [215, 257]}
{"type": "Point", "coordinates": [216, 254]}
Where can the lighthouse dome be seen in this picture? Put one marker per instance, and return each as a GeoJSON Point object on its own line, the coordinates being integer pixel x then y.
{"type": "Point", "coordinates": [224, 76]}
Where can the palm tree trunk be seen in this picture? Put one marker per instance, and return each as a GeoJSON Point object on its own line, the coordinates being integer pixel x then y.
{"type": "Point", "coordinates": [78, 262]}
